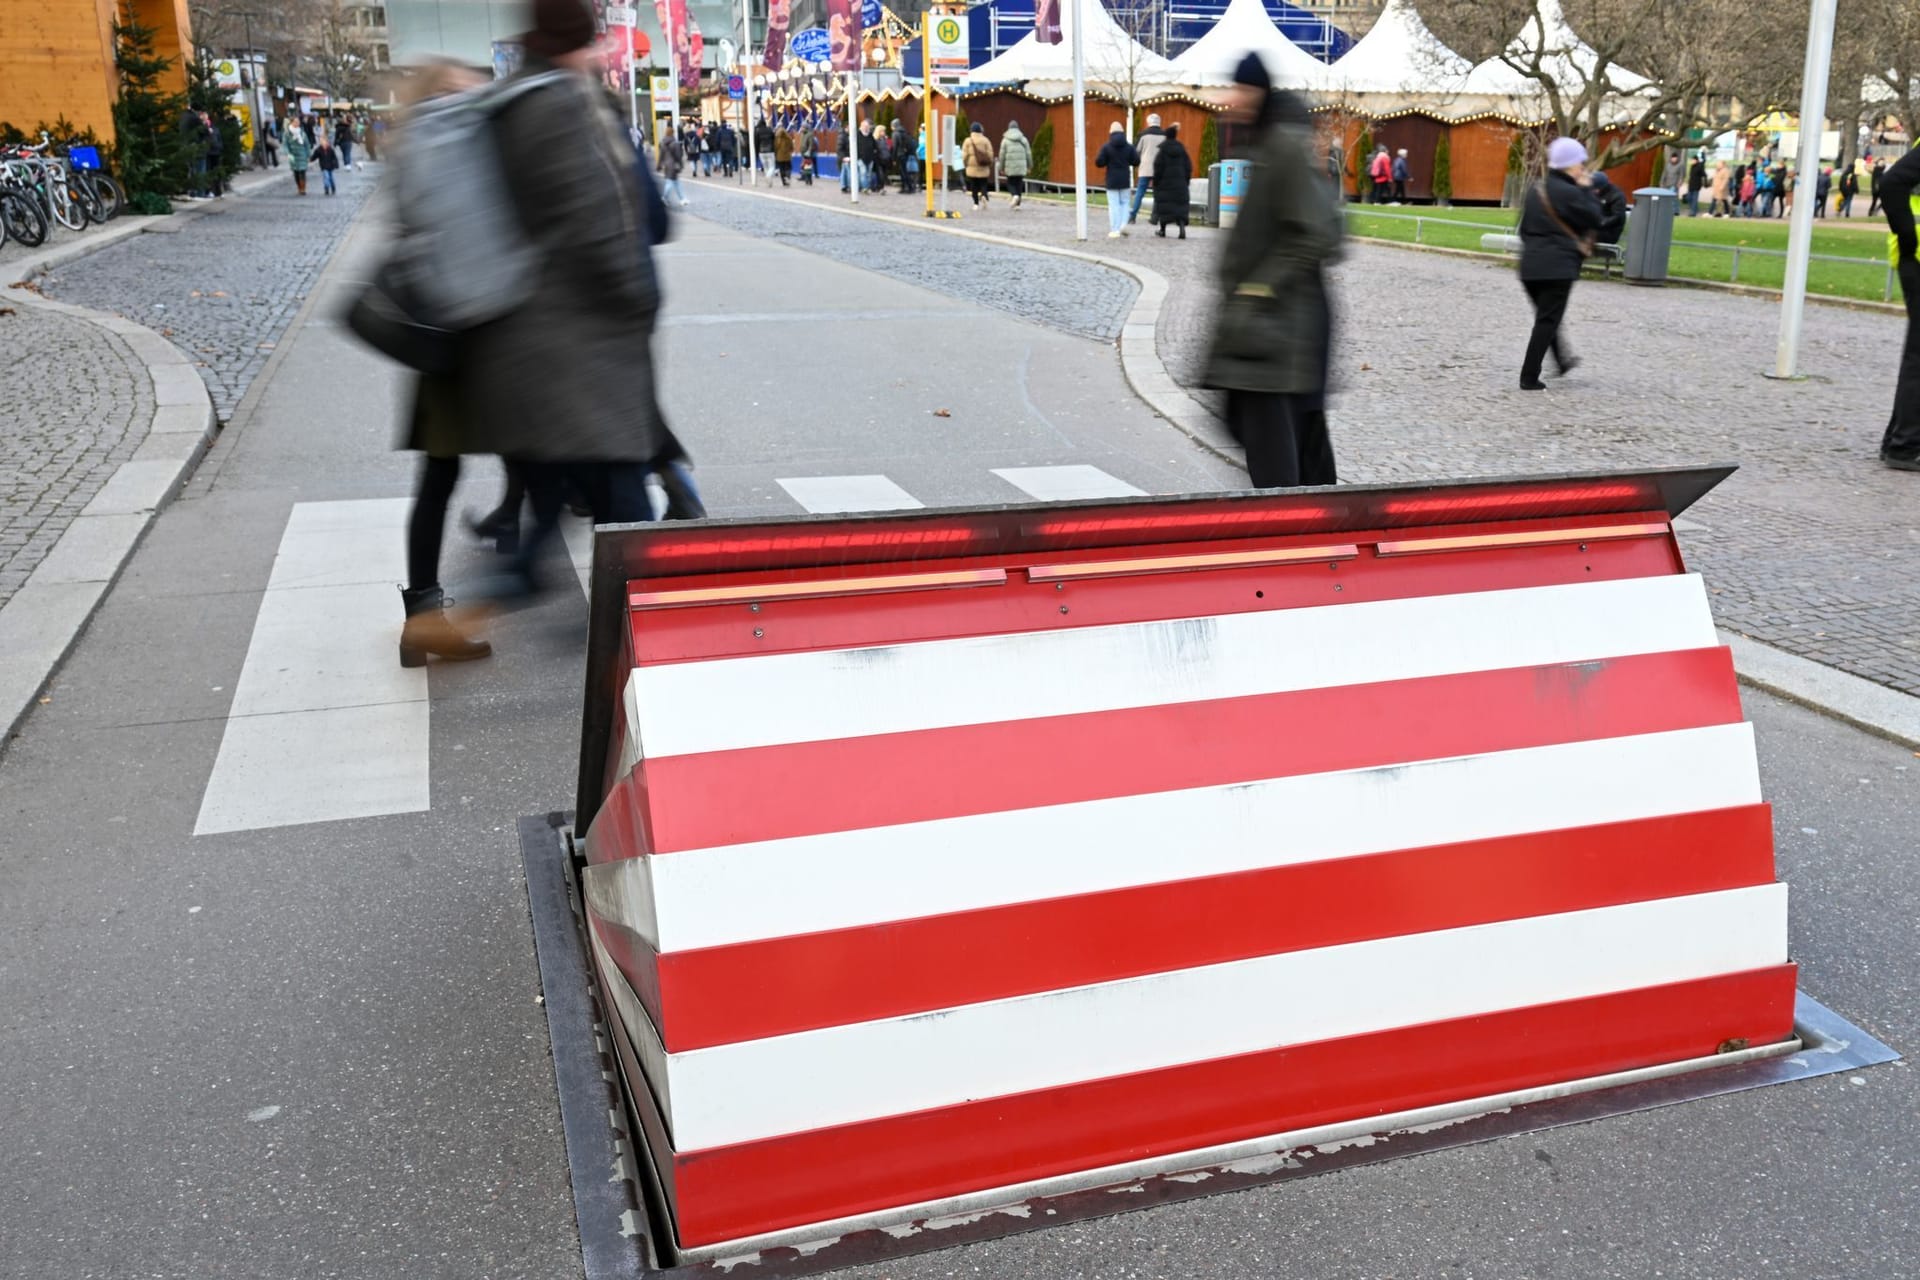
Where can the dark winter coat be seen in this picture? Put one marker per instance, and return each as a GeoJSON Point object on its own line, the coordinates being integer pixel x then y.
{"type": "Point", "coordinates": [1697, 174]}
{"type": "Point", "coordinates": [1117, 157]}
{"type": "Point", "coordinates": [569, 374]}
{"type": "Point", "coordinates": [783, 147]}
{"type": "Point", "coordinates": [326, 157]}
{"type": "Point", "coordinates": [1272, 328]}
{"type": "Point", "coordinates": [1172, 172]}
{"type": "Point", "coordinates": [1546, 251]}
{"type": "Point", "coordinates": [1613, 208]}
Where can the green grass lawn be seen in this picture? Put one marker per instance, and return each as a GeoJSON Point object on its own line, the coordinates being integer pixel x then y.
{"type": "Point", "coordinates": [1866, 241]}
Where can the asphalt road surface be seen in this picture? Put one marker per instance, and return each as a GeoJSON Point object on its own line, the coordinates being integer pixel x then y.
{"type": "Point", "coordinates": [269, 1004]}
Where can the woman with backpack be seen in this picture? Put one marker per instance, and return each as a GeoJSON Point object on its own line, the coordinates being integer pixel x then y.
{"type": "Point", "coordinates": [976, 154]}
{"type": "Point", "coordinates": [1559, 224]}
{"type": "Point", "coordinates": [299, 155]}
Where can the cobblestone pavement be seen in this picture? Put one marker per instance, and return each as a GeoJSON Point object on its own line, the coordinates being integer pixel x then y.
{"type": "Point", "coordinates": [75, 404]}
{"type": "Point", "coordinates": [1811, 546]}
{"type": "Point", "coordinates": [1057, 292]}
{"type": "Point", "coordinates": [225, 285]}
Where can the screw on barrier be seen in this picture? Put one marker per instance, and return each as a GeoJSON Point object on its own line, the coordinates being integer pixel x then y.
{"type": "Point", "coordinates": [753, 608]}
{"type": "Point", "coordinates": [1063, 608]}
{"type": "Point", "coordinates": [757, 633]}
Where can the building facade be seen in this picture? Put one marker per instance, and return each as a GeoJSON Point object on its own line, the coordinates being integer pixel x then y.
{"type": "Point", "coordinates": [57, 58]}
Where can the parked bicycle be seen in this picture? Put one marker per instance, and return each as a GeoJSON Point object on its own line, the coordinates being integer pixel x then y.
{"type": "Point", "coordinates": [20, 214]}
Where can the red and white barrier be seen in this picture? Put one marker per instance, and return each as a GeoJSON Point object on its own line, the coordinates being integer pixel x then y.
{"type": "Point", "coordinates": [911, 883]}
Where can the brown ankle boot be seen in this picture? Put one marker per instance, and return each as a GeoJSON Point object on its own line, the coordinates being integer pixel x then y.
{"type": "Point", "coordinates": [430, 632]}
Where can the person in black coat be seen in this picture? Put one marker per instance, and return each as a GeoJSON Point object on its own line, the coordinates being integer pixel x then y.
{"type": "Point", "coordinates": [1613, 208]}
{"type": "Point", "coordinates": [1900, 447]}
{"type": "Point", "coordinates": [1172, 176]}
{"type": "Point", "coordinates": [1558, 226]}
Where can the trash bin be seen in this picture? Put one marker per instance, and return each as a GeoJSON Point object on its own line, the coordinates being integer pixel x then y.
{"type": "Point", "coordinates": [1650, 234]}
{"type": "Point", "coordinates": [1213, 195]}
{"type": "Point", "coordinates": [1233, 189]}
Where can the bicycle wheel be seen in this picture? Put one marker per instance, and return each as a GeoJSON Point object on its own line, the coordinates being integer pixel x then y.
{"type": "Point", "coordinates": [86, 200]}
{"type": "Point", "coordinates": [65, 211]}
{"type": "Point", "coordinates": [112, 199]}
{"type": "Point", "coordinates": [23, 219]}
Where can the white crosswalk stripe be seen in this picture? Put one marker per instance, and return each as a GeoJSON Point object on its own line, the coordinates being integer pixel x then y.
{"type": "Point", "coordinates": [325, 723]}
{"type": "Point", "coordinates": [832, 494]}
{"type": "Point", "coordinates": [1064, 484]}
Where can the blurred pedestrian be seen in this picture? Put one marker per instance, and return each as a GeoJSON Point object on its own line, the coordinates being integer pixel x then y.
{"type": "Point", "coordinates": [1148, 145]}
{"type": "Point", "coordinates": [1016, 161]}
{"type": "Point", "coordinates": [809, 156]}
{"type": "Point", "coordinates": [328, 159]}
{"type": "Point", "coordinates": [783, 156]}
{"type": "Point", "coordinates": [193, 147]}
{"type": "Point", "coordinates": [1747, 189]}
{"type": "Point", "coordinates": [904, 158]}
{"type": "Point", "coordinates": [976, 156]}
{"type": "Point", "coordinates": [299, 154]}
{"type": "Point", "coordinates": [671, 160]}
{"type": "Point", "coordinates": [763, 145]}
{"type": "Point", "coordinates": [1172, 183]}
{"type": "Point", "coordinates": [1875, 171]}
{"type": "Point", "coordinates": [1613, 208]}
{"type": "Point", "coordinates": [343, 140]}
{"type": "Point", "coordinates": [1380, 170]}
{"type": "Point", "coordinates": [435, 427]}
{"type": "Point", "coordinates": [1273, 326]}
{"type": "Point", "coordinates": [1696, 179]}
{"type": "Point", "coordinates": [216, 156]}
{"type": "Point", "coordinates": [1401, 175]}
{"type": "Point", "coordinates": [563, 385]}
{"type": "Point", "coordinates": [270, 139]}
{"type": "Point", "coordinates": [1849, 188]}
{"type": "Point", "coordinates": [1718, 190]}
{"type": "Point", "coordinates": [1558, 226]}
{"type": "Point", "coordinates": [1822, 191]}
{"type": "Point", "coordinates": [1118, 158]}
{"type": "Point", "coordinates": [1900, 447]}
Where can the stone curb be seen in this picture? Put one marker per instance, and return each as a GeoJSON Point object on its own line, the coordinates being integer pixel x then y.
{"type": "Point", "coordinates": [1859, 702]}
{"type": "Point", "coordinates": [128, 225]}
{"type": "Point", "coordinates": [39, 625]}
{"type": "Point", "coordinates": [1140, 361]}
{"type": "Point", "coordinates": [1672, 282]}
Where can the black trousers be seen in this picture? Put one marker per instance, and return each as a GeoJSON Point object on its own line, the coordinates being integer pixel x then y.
{"type": "Point", "coordinates": [1285, 437]}
{"type": "Point", "coordinates": [1549, 308]}
{"type": "Point", "coordinates": [427, 524]}
{"type": "Point", "coordinates": [1903, 428]}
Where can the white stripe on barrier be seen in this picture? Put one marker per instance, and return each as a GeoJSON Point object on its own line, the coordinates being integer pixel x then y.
{"type": "Point", "coordinates": [803, 884]}
{"type": "Point", "coordinates": [757, 701]}
{"type": "Point", "coordinates": [841, 1075]}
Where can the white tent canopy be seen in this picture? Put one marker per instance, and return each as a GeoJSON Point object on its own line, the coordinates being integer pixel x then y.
{"type": "Point", "coordinates": [1245, 26]}
{"type": "Point", "coordinates": [1399, 55]}
{"type": "Point", "coordinates": [1571, 61]}
{"type": "Point", "coordinates": [1111, 56]}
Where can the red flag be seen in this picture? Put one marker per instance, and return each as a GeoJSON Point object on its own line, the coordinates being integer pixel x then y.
{"type": "Point", "coordinates": [774, 53]}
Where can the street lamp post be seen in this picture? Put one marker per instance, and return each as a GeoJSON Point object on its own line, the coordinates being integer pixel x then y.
{"type": "Point", "coordinates": [246, 17]}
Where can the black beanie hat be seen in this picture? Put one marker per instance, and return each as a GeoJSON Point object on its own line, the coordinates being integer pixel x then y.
{"type": "Point", "coordinates": [559, 26]}
{"type": "Point", "coordinates": [1253, 72]}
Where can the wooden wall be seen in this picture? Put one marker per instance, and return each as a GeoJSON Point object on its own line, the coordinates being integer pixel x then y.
{"type": "Point", "coordinates": [56, 58]}
{"type": "Point", "coordinates": [1419, 135]}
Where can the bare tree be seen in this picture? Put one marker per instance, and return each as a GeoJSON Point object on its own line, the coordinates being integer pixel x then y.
{"type": "Point", "coordinates": [1627, 76]}
{"type": "Point", "coordinates": [282, 30]}
{"type": "Point", "coordinates": [340, 57]}
{"type": "Point", "coordinates": [1885, 38]}
{"type": "Point", "coordinates": [1124, 70]}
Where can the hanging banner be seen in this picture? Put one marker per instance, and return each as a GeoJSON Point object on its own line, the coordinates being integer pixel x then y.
{"type": "Point", "coordinates": [779, 14]}
{"type": "Point", "coordinates": [1046, 21]}
{"type": "Point", "coordinates": [696, 50]}
{"type": "Point", "coordinates": [843, 30]}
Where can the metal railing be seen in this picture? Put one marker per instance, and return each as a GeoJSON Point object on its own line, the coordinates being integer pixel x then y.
{"type": "Point", "coordinates": [1420, 222]}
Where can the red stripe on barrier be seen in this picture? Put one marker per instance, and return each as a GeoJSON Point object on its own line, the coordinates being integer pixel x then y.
{"type": "Point", "coordinates": [748, 991]}
{"type": "Point", "coordinates": [729, 1192]}
{"type": "Point", "coordinates": [785, 626]}
{"type": "Point", "coordinates": [884, 779]}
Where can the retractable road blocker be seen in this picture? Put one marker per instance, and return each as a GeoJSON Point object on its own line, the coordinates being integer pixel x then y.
{"type": "Point", "coordinates": [941, 874]}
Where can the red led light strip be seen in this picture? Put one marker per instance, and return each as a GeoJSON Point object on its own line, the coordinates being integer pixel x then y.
{"type": "Point", "coordinates": [750, 592]}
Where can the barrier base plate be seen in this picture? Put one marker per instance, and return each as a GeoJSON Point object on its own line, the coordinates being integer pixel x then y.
{"type": "Point", "coordinates": [625, 1230]}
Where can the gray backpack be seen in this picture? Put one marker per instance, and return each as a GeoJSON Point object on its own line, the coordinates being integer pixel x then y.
{"type": "Point", "coordinates": [465, 257]}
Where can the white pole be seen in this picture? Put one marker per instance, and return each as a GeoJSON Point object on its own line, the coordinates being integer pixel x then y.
{"type": "Point", "coordinates": [1813, 118]}
{"type": "Point", "coordinates": [746, 43]}
{"type": "Point", "coordinates": [853, 138]}
{"type": "Point", "coordinates": [633, 90]}
{"type": "Point", "coordinates": [673, 67]}
{"type": "Point", "coordinates": [1079, 127]}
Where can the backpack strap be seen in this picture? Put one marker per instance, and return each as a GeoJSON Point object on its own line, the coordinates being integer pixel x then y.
{"type": "Point", "coordinates": [1583, 243]}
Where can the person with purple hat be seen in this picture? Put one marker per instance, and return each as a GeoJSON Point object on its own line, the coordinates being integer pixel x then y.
{"type": "Point", "coordinates": [1559, 225]}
